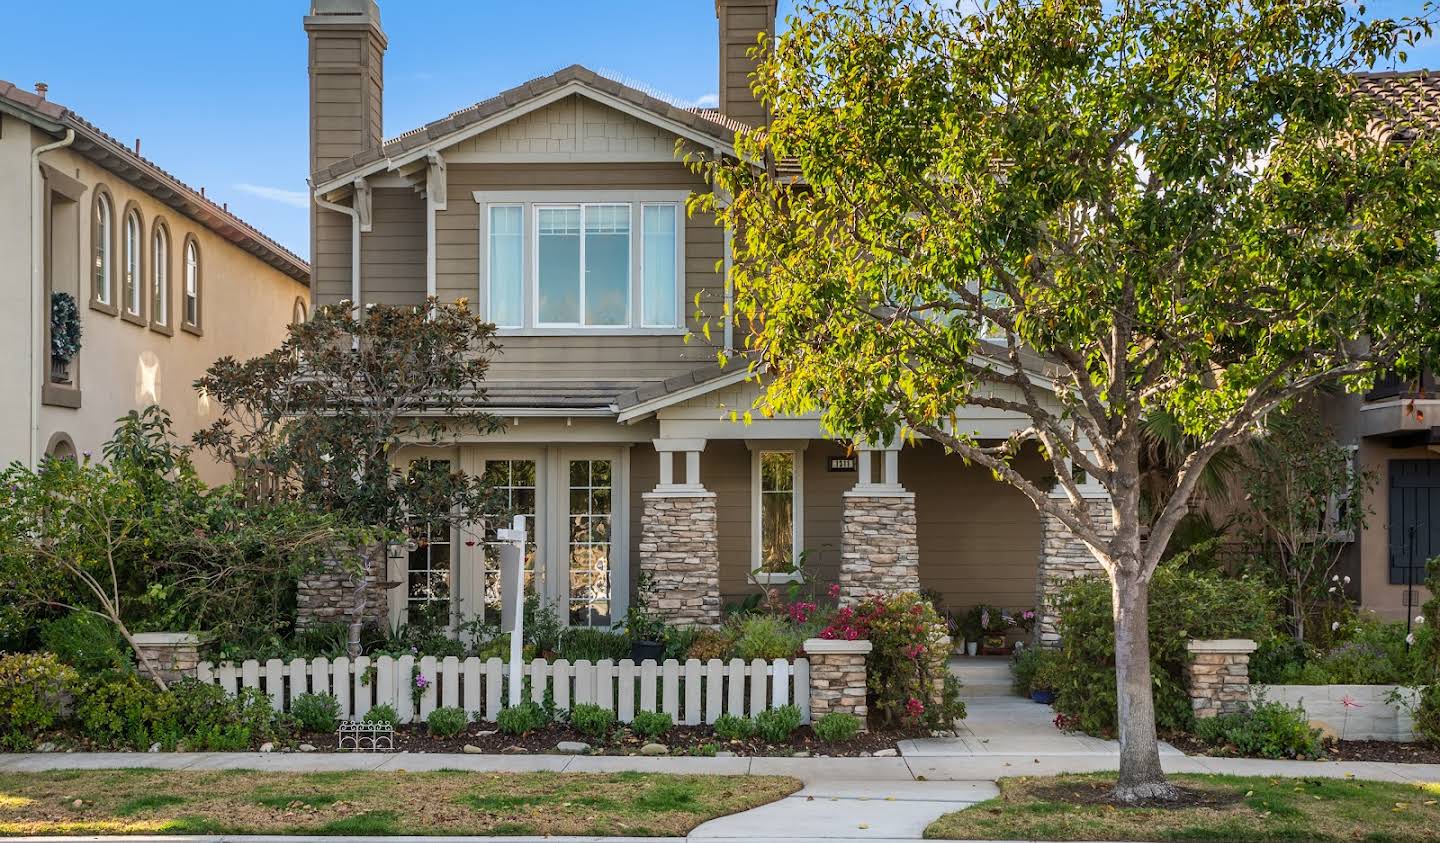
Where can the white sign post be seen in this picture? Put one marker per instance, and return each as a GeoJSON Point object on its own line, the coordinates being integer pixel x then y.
{"type": "Point", "coordinates": [512, 597]}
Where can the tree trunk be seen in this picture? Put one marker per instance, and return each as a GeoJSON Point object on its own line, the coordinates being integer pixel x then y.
{"type": "Point", "coordinates": [1141, 778]}
{"type": "Point", "coordinates": [371, 562]}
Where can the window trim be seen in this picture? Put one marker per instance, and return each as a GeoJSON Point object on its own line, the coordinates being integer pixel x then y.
{"type": "Point", "coordinates": [160, 227]}
{"type": "Point", "coordinates": [530, 200]}
{"type": "Point", "coordinates": [196, 327]}
{"type": "Point", "coordinates": [797, 526]}
{"type": "Point", "coordinates": [140, 316]}
{"type": "Point", "coordinates": [110, 306]}
{"type": "Point", "coordinates": [583, 208]}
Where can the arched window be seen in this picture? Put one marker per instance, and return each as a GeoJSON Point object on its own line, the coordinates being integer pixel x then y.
{"type": "Point", "coordinates": [298, 316]}
{"type": "Point", "coordinates": [192, 285]}
{"type": "Point", "coordinates": [132, 288]}
{"type": "Point", "coordinates": [102, 242]}
{"type": "Point", "coordinates": [160, 276]}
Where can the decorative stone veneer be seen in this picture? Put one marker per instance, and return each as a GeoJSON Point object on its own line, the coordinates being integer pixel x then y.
{"type": "Point", "coordinates": [837, 677]}
{"type": "Point", "coordinates": [879, 551]}
{"type": "Point", "coordinates": [1063, 557]}
{"type": "Point", "coordinates": [328, 595]}
{"type": "Point", "coordinates": [1219, 675]}
{"type": "Point", "coordinates": [174, 655]}
{"type": "Point", "coordinates": [680, 550]}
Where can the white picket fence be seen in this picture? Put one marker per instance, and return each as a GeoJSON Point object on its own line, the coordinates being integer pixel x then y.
{"type": "Point", "coordinates": [692, 693]}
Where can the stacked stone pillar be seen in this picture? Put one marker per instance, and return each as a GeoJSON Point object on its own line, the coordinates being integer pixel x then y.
{"type": "Point", "coordinates": [1218, 676]}
{"type": "Point", "coordinates": [328, 594]}
{"type": "Point", "coordinates": [879, 545]}
{"type": "Point", "coordinates": [1064, 557]}
{"type": "Point", "coordinates": [680, 539]}
{"type": "Point", "coordinates": [170, 655]}
{"type": "Point", "coordinates": [838, 678]}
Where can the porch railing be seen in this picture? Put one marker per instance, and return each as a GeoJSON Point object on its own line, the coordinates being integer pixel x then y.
{"type": "Point", "coordinates": [692, 692]}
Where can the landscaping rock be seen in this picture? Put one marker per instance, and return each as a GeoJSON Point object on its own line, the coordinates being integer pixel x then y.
{"type": "Point", "coordinates": [724, 753]}
{"type": "Point", "coordinates": [654, 749]}
{"type": "Point", "coordinates": [46, 746]}
{"type": "Point", "coordinates": [267, 747]}
{"type": "Point", "coordinates": [154, 747]}
{"type": "Point", "coordinates": [307, 747]}
{"type": "Point", "coordinates": [887, 753]}
{"type": "Point", "coordinates": [472, 749]}
{"type": "Point", "coordinates": [485, 733]}
{"type": "Point", "coordinates": [1327, 732]}
{"type": "Point", "coordinates": [573, 747]}
{"type": "Point", "coordinates": [515, 750]}
{"type": "Point", "coordinates": [800, 753]}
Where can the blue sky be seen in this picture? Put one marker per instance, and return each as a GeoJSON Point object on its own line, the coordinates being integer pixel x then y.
{"type": "Point", "coordinates": [217, 91]}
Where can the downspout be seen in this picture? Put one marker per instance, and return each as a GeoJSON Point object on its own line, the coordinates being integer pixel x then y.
{"type": "Point", "coordinates": [39, 308]}
{"type": "Point", "coordinates": [354, 216]}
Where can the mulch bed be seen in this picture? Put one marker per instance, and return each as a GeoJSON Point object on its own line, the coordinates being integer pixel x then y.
{"type": "Point", "coordinates": [1099, 793]}
{"type": "Point", "coordinates": [681, 740]}
{"type": "Point", "coordinates": [1384, 751]}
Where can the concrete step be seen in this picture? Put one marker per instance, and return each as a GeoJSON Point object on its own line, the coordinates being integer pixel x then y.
{"type": "Point", "coordinates": [982, 676]}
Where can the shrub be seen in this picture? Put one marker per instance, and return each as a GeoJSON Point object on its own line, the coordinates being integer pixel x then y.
{"type": "Point", "coordinates": [712, 644]}
{"type": "Point", "coordinates": [447, 722]}
{"type": "Point", "coordinates": [1427, 714]}
{"type": "Point", "coordinates": [31, 687]}
{"type": "Point", "coordinates": [383, 713]}
{"type": "Point", "coordinates": [86, 642]}
{"type": "Point", "coordinates": [774, 725]}
{"type": "Point", "coordinates": [679, 640]}
{"type": "Point", "coordinates": [202, 717]}
{"type": "Point", "coordinates": [1184, 605]}
{"type": "Point", "coordinates": [591, 720]}
{"type": "Point", "coordinates": [316, 712]}
{"type": "Point", "coordinates": [837, 727]}
{"type": "Point", "coordinates": [116, 709]}
{"type": "Point", "coordinates": [523, 718]}
{"type": "Point", "coordinates": [1268, 730]}
{"type": "Point", "coordinates": [907, 671]}
{"type": "Point", "coordinates": [732, 727]}
{"type": "Point", "coordinates": [651, 724]}
{"type": "Point", "coordinates": [591, 644]}
{"type": "Point", "coordinates": [766, 637]}
{"type": "Point", "coordinates": [1023, 667]}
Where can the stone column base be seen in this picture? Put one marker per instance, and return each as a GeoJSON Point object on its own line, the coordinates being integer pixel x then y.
{"type": "Point", "coordinates": [680, 550]}
{"type": "Point", "coordinates": [328, 595]}
{"type": "Point", "coordinates": [1219, 676]}
{"type": "Point", "coordinates": [174, 655]}
{"type": "Point", "coordinates": [1063, 557]}
{"type": "Point", "coordinates": [838, 678]}
{"type": "Point", "coordinates": [879, 549]}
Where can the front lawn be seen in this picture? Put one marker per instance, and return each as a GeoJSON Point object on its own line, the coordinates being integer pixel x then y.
{"type": "Point", "coordinates": [1230, 808]}
{"type": "Point", "coordinates": [369, 803]}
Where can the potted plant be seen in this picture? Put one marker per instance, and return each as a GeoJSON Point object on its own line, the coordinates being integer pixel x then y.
{"type": "Point", "coordinates": [1042, 684]}
{"type": "Point", "coordinates": [973, 627]}
{"type": "Point", "coordinates": [645, 630]}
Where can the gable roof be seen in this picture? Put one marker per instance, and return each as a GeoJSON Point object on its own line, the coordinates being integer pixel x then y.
{"type": "Point", "coordinates": [1408, 102]}
{"type": "Point", "coordinates": [144, 174]}
{"type": "Point", "coordinates": [699, 123]}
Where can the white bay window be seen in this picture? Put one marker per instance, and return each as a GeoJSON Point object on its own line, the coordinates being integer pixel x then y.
{"type": "Point", "coordinates": [608, 262]}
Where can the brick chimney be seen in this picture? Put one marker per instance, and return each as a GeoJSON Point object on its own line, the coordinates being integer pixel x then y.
{"type": "Point", "coordinates": [347, 79]}
{"type": "Point", "coordinates": [741, 22]}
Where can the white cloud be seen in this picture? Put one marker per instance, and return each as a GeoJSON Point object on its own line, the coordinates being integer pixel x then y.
{"type": "Point", "coordinates": [706, 101]}
{"type": "Point", "coordinates": [295, 198]}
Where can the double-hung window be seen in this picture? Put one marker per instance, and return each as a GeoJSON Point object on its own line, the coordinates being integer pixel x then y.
{"type": "Point", "coordinates": [778, 514]}
{"type": "Point", "coordinates": [559, 263]}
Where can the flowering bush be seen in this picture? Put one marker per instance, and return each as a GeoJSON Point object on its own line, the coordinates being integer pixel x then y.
{"type": "Point", "coordinates": [907, 676]}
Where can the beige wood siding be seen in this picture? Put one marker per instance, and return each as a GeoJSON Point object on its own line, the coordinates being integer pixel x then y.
{"type": "Point", "coordinates": [979, 538]}
{"type": "Point", "coordinates": [330, 263]}
{"type": "Point", "coordinates": [392, 255]}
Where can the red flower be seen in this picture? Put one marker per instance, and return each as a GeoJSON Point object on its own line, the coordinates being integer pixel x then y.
{"type": "Point", "coordinates": [914, 707]}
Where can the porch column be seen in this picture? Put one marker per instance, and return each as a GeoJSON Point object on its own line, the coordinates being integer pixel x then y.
{"type": "Point", "coordinates": [679, 539]}
{"type": "Point", "coordinates": [879, 549]}
{"type": "Point", "coordinates": [1064, 557]}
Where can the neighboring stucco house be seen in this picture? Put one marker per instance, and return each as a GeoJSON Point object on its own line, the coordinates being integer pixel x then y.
{"type": "Point", "coordinates": [557, 210]}
{"type": "Point", "coordinates": [165, 282]}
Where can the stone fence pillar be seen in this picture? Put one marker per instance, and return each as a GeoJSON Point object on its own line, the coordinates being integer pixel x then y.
{"type": "Point", "coordinates": [879, 545]}
{"type": "Point", "coordinates": [838, 677]}
{"type": "Point", "coordinates": [1218, 675]}
{"type": "Point", "coordinates": [680, 539]}
{"type": "Point", "coordinates": [1063, 557]}
{"type": "Point", "coordinates": [328, 594]}
{"type": "Point", "coordinates": [174, 655]}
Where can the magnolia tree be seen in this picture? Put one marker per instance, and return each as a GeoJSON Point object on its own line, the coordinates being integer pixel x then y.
{"type": "Point", "coordinates": [1080, 213]}
{"type": "Point", "coordinates": [326, 414]}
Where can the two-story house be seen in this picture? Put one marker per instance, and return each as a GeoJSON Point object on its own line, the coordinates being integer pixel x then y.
{"type": "Point", "coordinates": [557, 210]}
{"type": "Point", "coordinates": [157, 280]}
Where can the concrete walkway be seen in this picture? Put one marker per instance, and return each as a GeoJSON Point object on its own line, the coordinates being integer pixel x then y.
{"type": "Point", "coordinates": [1010, 725]}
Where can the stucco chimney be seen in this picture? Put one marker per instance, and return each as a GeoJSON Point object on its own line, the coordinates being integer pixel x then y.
{"type": "Point", "coordinates": [741, 22]}
{"type": "Point", "coordinates": [347, 79]}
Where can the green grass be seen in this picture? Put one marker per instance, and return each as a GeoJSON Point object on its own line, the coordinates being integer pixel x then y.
{"type": "Point", "coordinates": [1231, 808]}
{"type": "Point", "coordinates": [349, 804]}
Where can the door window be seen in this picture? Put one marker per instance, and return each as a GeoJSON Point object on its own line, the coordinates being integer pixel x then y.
{"type": "Point", "coordinates": [512, 483]}
{"type": "Point", "coordinates": [590, 547]}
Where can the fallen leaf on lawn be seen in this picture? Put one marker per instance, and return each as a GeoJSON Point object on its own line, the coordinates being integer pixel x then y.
{"type": "Point", "coordinates": [864, 825]}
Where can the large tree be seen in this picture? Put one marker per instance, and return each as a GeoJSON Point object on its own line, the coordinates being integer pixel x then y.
{"type": "Point", "coordinates": [1080, 213]}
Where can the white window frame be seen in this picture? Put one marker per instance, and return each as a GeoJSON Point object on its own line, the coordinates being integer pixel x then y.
{"type": "Point", "coordinates": [485, 252]}
{"type": "Point", "coordinates": [105, 234]}
{"type": "Point", "coordinates": [531, 201]}
{"type": "Point", "coordinates": [132, 281]}
{"type": "Point", "coordinates": [797, 525]}
{"type": "Point", "coordinates": [192, 284]}
{"type": "Point", "coordinates": [160, 276]}
{"type": "Point", "coordinates": [533, 229]}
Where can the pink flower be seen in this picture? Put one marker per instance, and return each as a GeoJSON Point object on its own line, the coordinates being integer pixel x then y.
{"type": "Point", "coordinates": [834, 590]}
{"type": "Point", "coordinates": [421, 682]}
{"type": "Point", "coordinates": [1348, 702]}
{"type": "Point", "coordinates": [914, 707]}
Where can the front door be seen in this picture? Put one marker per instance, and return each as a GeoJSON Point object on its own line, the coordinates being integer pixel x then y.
{"type": "Point", "coordinates": [1414, 518]}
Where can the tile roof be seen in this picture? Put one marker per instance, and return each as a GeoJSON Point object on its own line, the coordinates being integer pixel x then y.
{"type": "Point", "coordinates": [1408, 102]}
{"type": "Point", "coordinates": [120, 159]}
{"type": "Point", "coordinates": [707, 121]}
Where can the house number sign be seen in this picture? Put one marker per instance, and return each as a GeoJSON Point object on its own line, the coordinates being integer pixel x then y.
{"type": "Point", "coordinates": [842, 464]}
